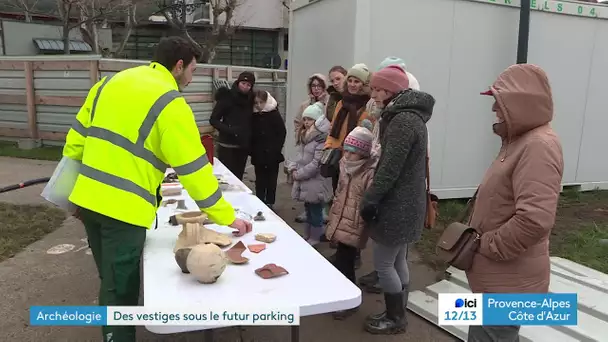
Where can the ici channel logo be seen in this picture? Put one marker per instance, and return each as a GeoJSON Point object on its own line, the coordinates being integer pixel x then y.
{"type": "Point", "coordinates": [465, 303]}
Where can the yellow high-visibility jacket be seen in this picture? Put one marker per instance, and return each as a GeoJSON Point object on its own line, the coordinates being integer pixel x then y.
{"type": "Point", "coordinates": [132, 126]}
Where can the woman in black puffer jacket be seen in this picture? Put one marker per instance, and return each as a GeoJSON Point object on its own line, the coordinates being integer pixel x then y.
{"type": "Point", "coordinates": [232, 116]}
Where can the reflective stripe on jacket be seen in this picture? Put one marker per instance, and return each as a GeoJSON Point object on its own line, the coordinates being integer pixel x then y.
{"type": "Point", "coordinates": [127, 136]}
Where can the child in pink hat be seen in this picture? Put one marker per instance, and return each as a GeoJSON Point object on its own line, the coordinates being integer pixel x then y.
{"type": "Point", "coordinates": [346, 228]}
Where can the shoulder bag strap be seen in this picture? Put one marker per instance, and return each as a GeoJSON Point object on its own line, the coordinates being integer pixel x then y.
{"type": "Point", "coordinates": [428, 172]}
{"type": "Point", "coordinates": [467, 211]}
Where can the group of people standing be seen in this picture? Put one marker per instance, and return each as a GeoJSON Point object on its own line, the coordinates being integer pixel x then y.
{"type": "Point", "coordinates": [369, 129]}
{"type": "Point", "coordinates": [363, 141]}
{"type": "Point", "coordinates": [361, 171]}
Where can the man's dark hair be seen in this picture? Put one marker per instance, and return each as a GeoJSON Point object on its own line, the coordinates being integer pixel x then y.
{"type": "Point", "coordinates": [171, 49]}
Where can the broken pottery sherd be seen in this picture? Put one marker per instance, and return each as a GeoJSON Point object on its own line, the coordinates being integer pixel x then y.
{"type": "Point", "coordinates": [269, 271]}
{"type": "Point", "coordinates": [234, 253]}
{"type": "Point", "coordinates": [266, 237]}
{"type": "Point", "coordinates": [169, 201]}
{"type": "Point", "coordinates": [257, 248]}
{"type": "Point", "coordinates": [181, 256]}
{"type": "Point", "coordinates": [171, 191]}
{"type": "Point", "coordinates": [195, 233]}
{"type": "Point", "coordinates": [259, 217]}
{"type": "Point", "coordinates": [206, 263]}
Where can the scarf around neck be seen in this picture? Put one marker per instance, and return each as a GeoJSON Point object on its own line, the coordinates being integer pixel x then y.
{"type": "Point", "coordinates": [351, 104]}
{"type": "Point", "coordinates": [353, 166]}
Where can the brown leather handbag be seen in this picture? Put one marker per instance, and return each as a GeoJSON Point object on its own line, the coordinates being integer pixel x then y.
{"type": "Point", "coordinates": [459, 242]}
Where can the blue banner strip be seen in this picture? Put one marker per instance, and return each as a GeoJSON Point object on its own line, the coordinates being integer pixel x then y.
{"type": "Point", "coordinates": [68, 315]}
{"type": "Point", "coordinates": [530, 309]}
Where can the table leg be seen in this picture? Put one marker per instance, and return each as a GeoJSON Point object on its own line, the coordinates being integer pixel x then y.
{"type": "Point", "coordinates": [295, 333]}
{"type": "Point", "coordinates": [208, 337]}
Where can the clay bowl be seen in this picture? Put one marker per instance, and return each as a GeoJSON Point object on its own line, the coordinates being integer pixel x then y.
{"type": "Point", "coordinates": [191, 217]}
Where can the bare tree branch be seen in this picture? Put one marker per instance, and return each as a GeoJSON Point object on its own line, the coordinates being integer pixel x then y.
{"type": "Point", "coordinates": [130, 22]}
{"type": "Point", "coordinates": [220, 29]}
{"type": "Point", "coordinates": [28, 7]}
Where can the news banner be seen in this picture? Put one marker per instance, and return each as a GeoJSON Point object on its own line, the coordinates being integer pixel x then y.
{"type": "Point", "coordinates": [139, 315]}
{"type": "Point", "coordinates": [453, 309]}
{"type": "Point", "coordinates": [507, 309]}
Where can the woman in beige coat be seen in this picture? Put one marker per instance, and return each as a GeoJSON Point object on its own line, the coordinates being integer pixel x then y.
{"type": "Point", "coordinates": [517, 200]}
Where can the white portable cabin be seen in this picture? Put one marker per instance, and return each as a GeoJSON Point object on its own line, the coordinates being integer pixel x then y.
{"type": "Point", "coordinates": [456, 49]}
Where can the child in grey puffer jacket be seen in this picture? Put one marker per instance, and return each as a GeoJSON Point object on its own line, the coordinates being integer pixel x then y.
{"type": "Point", "coordinates": [309, 185]}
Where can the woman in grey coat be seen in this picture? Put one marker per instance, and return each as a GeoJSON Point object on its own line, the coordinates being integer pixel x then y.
{"type": "Point", "coordinates": [394, 206]}
{"type": "Point", "coordinates": [309, 185]}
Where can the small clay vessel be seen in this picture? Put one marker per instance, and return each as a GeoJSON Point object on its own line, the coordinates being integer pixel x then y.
{"type": "Point", "coordinates": [259, 217]}
{"type": "Point", "coordinates": [181, 256]}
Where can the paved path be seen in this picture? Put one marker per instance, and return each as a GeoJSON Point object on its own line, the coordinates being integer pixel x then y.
{"type": "Point", "coordinates": [34, 277]}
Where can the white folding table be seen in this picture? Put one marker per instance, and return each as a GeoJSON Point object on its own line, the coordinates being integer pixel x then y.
{"type": "Point", "coordinates": [313, 284]}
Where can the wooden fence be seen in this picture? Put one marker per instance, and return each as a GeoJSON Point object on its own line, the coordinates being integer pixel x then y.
{"type": "Point", "coordinates": [40, 96]}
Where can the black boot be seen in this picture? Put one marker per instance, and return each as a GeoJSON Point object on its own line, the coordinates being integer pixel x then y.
{"type": "Point", "coordinates": [380, 316]}
{"type": "Point", "coordinates": [394, 322]}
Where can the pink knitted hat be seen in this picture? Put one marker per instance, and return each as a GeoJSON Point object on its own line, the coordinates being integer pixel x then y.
{"type": "Point", "coordinates": [391, 78]}
{"type": "Point", "coordinates": [359, 140]}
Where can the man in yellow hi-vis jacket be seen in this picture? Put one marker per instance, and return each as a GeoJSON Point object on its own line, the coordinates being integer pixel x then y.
{"type": "Point", "coordinates": [131, 128]}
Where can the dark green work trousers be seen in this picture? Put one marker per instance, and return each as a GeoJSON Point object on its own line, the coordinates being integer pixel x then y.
{"type": "Point", "coordinates": [117, 248]}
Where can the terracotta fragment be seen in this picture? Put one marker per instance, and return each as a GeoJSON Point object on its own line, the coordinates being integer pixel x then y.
{"type": "Point", "coordinates": [257, 248]}
{"type": "Point", "coordinates": [234, 253]}
{"type": "Point", "coordinates": [266, 237]}
{"type": "Point", "coordinates": [195, 233]}
{"type": "Point", "coordinates": [169, 201]}
{"type": "Point", "coordinates": [269, 271]}
{"type": "Point", "coordinates": [171, 192]}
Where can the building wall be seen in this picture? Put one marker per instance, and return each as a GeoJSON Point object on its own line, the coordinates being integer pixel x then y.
{"type": "Point", "coordinates": [316, 42]}
{"type": "Point", "coordinates": [18, 36]}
